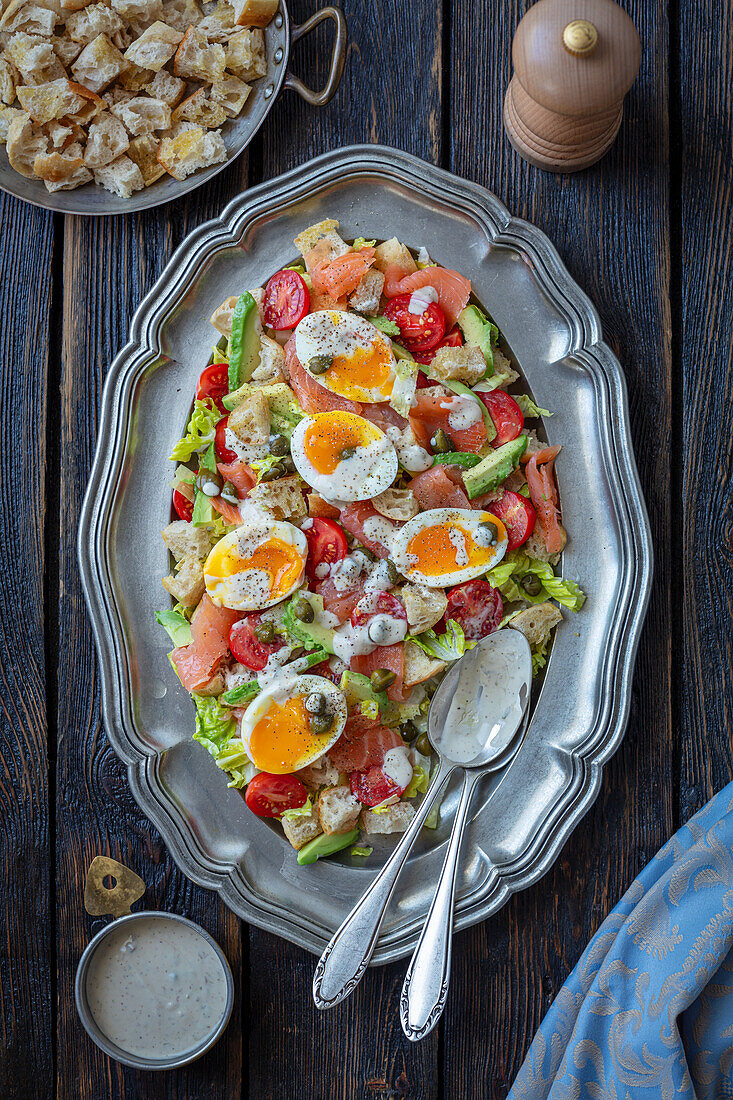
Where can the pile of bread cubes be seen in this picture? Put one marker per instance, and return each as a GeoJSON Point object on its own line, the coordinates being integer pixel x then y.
{"type": "Point", "coordinates": [124, 91]}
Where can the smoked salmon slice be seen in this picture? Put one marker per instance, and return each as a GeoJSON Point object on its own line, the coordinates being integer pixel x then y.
{"type": "Point", "coordinates": [434, 489]}
{"type": "Point", "coordinates": [242, 477]}
{"type": "Point", "coordinates": [363, 744]}
{"type": "Point", "coordinates": [453, 289]}
{"type": "Point", "coordinates": [197, 662]}
{"type": "Point", "coordinates": [432, 410]}
{"type": "Point", "coordinates": [391, 657]}
{"type": "Point", "coordinates": [312, 397]}
{"type": "Point", "coordinates": [340, 276]}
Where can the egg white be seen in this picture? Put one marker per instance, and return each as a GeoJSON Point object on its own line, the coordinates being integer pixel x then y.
{"type": "Point", "coordinates": [248, 589]}
{"type": "Point", "coordinates": [287, 686]}
{"type": "Point", "coordinates": [466, 518]}
{"type": "Point", "coordinates": [337, 333]}
{"type": "Point", "coordinates": [366, 474]}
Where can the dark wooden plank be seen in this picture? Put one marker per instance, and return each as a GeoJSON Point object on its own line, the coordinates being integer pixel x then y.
{"type": "Point", "coordinates": [109, 265]}
{"type": "Point", "coordinates": [26, 953]}
{"type": "Point", "coordinates": [611, 227]}
{"type": "Point", "coordinates": [357, 1050]}
{"type": "Point", "coordinates": [704, 286]}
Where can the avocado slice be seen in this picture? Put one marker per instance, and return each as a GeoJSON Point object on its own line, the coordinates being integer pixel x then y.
{"type": "Point", "coordinates": [358, 689]}
{"type": "Point", "coordinates": [325, 845]}
{"type": "Point", "coordinates": [244, 343]}
{"type": "Point", "coordinates": [310, 635]}
{"type": "Point", "coordinates": [479, 330]}
{"type": "Point", "coordinates": [204, 512]}
{"type": "Point", "coordinates": [493, 469]}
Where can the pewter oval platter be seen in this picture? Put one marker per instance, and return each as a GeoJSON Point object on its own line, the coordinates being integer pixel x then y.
{"type": "Point", "coordinates": [525, 814]}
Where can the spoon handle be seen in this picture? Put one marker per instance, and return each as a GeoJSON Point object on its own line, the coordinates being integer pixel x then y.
{"type": "Point", "coordinates": [425, 987]}
{"type": "Point", "coordinates": [347, 956]}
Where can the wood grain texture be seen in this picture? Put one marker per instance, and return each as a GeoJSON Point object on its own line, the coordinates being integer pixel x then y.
{"type": "Point", "coordinates": [26, 927]}
{"type": "Point", "coordinates": [705, 362]}
{"type": "Point", "coordinates": [611, 226]}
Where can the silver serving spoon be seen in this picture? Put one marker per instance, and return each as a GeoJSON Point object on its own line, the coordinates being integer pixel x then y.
{"type": "Point", "coordinates": [467, 731]}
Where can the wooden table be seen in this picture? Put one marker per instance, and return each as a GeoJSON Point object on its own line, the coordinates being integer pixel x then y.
{"type": "Point", "coordinates": [647, 234]}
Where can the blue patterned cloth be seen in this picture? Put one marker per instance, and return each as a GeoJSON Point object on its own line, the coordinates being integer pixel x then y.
{"type": "Point", "coordinates": [648, 1010]}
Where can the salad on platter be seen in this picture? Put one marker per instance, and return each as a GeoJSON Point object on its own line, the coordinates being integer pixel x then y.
{"type": "Point", "coordinates": [358, 501]}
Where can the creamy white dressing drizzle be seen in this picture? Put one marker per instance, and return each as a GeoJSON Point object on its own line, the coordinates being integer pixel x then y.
{"type": "Point", "coordinates": [463, 412]}
{"type": "Point", "coordinates": [458, 542]}
{"type": "Point", "coordinates": [421, 299]}
{"type": "Point", "coordinates": [397, 766]}
{"type": "Point", "coordinates": [379, 529]}
{"type": "Point", "coordinates": [156, 988]}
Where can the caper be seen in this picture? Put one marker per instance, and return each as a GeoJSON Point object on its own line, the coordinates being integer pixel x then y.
{"type": "Point", "coordinates": [531, 584]}
{"type": "Point", "coordinates": [321, 723]}
{"type": "Point", "coordinates": [382, 678]}
{"type": "Point", "coordinates": [319, 364]}
{"type": "Point", "coordinates": [423, 745]}
{"type": "Point", "coordinates": [288, 465]}
{"type": "Point", "coordinates": [275, 472]}
{"type": "Point", "coordinates": [303, 610]}
{"type": "Point", "coordinates": [265, 631]}
{"type": "Point", "coordinates": [409, 731]}
{"type": "Point", "coordinates": [229, 493]}
{"type": "Point", "coordinates": [392, 572]}
{"type": "Point", "coordinates": [279, 446]}
{"type": "Point", "coordinates": [209, 483]}
{"type": "Point", "coordinates": [366, 553]}
{"type": "Point", "coordinates": [489, 532]}
{"type": "Point", "coordinates": [442, 443]}
{"type": "Point", "coordinates": [316, 703]}
{"type": "Point", "coordinates": [348, 452]}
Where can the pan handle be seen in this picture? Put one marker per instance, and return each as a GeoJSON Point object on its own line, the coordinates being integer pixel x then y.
{"type": "Point", "coordinates": [338, 57]}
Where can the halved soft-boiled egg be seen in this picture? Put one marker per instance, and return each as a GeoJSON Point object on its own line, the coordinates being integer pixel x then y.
{"type": "Point", "coordinates": [347, 355]}
{"type": "Point", "coordinates": [343, 456]}
{"type": "Point", "coordinates": [293, 722]}
{"type": "Point", "coordinates": [256, 565]}
{"type": "Point", "coordinates": [447, 546]}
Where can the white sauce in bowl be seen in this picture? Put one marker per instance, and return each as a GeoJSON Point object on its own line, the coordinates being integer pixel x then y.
{"type": "Point", "coordinates": [156, 988]}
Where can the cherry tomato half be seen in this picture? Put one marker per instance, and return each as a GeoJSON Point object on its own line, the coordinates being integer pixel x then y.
{"type": "Point", "coordinates": [477, 607]}
{"type": "Point", "coordinates": [419, 331]}
{"type": "Point", "coordinates": [453, 339]}
{"type": "Point", "coordinates": [505, 412]}
{"type": "Point", "coordinates": [224, 453]}
{"type": "Point", "coordinates": [247, 647]}
{"type": "Point", "coordinates": [182, 505]}
{"type": "Point", "coordinates": [373, 786]}
{"type": "Point", "coordinates": [286, 300]}
{"type": "Point", "coordinates": [214, 384]}
{"type": "Point", "coordinates": [270, 795]}
{"type": "Point", "coordinates": [517, 514]}
{"type": "Point", "coordinates": [326, 544]}
{"type": "Point", "coordinates": [386, 605]}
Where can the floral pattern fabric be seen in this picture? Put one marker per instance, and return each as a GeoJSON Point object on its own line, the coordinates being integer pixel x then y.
{"type": "Point", "coordinates": [648, 1010]}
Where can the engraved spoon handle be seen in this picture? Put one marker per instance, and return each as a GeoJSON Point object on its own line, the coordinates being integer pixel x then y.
{"type": "Point", "coordinates": [425, 987]}
{"type": "Point", "coordinates": [347, 956]}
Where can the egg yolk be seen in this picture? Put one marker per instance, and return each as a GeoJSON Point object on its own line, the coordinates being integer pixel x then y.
{"type": "Point", "coordinates": [282, 741]}
{"type": "Point", "coordinates": [330, 434]}
{"type": "Point", "coordinates": [281, 561]}
{"type": "Point", "coordinates": [364, 370]}
{"type": "Point", "coordinates": [432, 552]}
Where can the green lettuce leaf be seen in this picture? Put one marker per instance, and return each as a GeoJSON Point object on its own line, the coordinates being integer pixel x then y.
{"type": "Point", "coordinates": [358, 851]}
{"type": "Point", "coordinates": [299, 811]}
{"type": "Point", "coordinates": [529, 408]}
{"type": "Point", "coordinates": [176, 626]}
{"type": "Point", "coordinates": [385, 325]}
{"type": "Point", "coordinates": [405, 384]}
{"type": "Point", "coordinates": [444, 647]}
{"type": "Point", "coordinates": [516, 565]}
{"type": "Point", "coordinates": [199, 433]}
{"type": "Point", "coordinates": [362, 242]}
{"type": "Point", "coordinates": [418, 784]}
{"type": "Point", "coordinates": [215, 730]}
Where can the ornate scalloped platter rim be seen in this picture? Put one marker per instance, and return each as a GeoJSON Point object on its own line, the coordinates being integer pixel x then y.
{"type": "Point", "coordinates": [338, 172]}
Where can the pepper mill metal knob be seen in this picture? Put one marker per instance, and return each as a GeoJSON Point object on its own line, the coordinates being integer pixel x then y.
{"type": "Point", "coordinates": [574, 61]}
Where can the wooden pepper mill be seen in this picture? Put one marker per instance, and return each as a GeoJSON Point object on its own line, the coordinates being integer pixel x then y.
{"type": "Point", "coordinates": [574, 61]}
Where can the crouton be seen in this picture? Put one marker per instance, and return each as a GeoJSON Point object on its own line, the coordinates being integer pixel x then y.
{"type": "Point", "coordinates": [309, 238]}
{"type": "Point", "coordinates": [132, 10]}
{"type": "Point", "coordinates": [167, 87]}
{"type": "Point", "coordinates": [107, 141]}
{"type": "Point", "coordinates": [186, 541]}
{"type": "Point", "coordinates": [7, 115]}
{"type": "Point", "coordinates": [116, 94]}
{"type": "Point", "coordinates": [197, 108]}
{"type": "Point", "coordinates": [231, 92]}
{"type": "Point", "coordinates": [338, 810]}
{"type": "Point", "coordinates": [392, 252]}
{"type": "Point", "coordinates": [189, 149]}
{"type": "Point", "coordinates": [155, 47]}
{"type": "Point", "coordinates": [85, 25]}
{"type": "Point", "coordinates": [142, 115]}
{"type": "Point", "coordinates": [144, 151]}
{"type": "Point", "coordinates": [62, 171]}
{"type": "Point", "coordinates": [187, 585]}
{"type": "Point", "coordinates": [400, 504]}
{"type": "Point", "coordinates": [536, 623]}
{"type": "Point", "coordinates": [272, 362]}
{"type": "Point", "coordinates": [250, 421]}
{"type": "Point", "coordinates": [534, 445]}
{"type": "Point", "coordinates": [134, 79]}
{"type": "Point", "coordinates": [418, 666]}
{"type": "Point", "coordinates": [367, 296]}
{"type": "Point", "coordinates": [66, 49]}
{"type": "Point", "coordinates": [74, 5]}
{"type": "Point", "coordinates": [181, 14]}
{"type": "Point", "coordinates": [387, 819]}
{"type": "Point", "coordinates": [221, 318]}
{"type": "Point", "coordinates": [465, 364]}
{"type": "Point", "coordinates": [46, 101]}
{"type": "Point", "coordinates": [320, 508]}
{"type": "Point", "coordinates": [121, 177]}
{"type": "Point", "coordinates": [535, 547]}
{"type": "Point", "coordinates": [214, 686]}
{"type": "Point", "coordinates": [98, 64]}
{"type": "Point", "coordinates": [8, 74]}
{"type": "Point", "coordinates": [321, 774]}
{"type": "Point", "coordinates": [245, 55]}
{"type": "Point", "coordinates": [283, 498]}
{"type": "Point", "coordinates": [34, 58]}
{"type": "Point", "coordinates": [93, 106]}
{"type": "Point", "coordinates": [299, 830]}
{"type": "Point", "coordinates": [219, 24]}
{"type": "Point", "coordinates": [58, 134]}
{"type": "Point", "coordinates": [195, 59]}
{"type": "Point", "coordinates": [25, 142]}
{"type": "Point", "coordinates": [503, 367]}
{"type": "Point", "coordinates": [254, 13]}
{"type": "Point", "coordinates": [24, 15]}
{"type": "Point", "coordinates": [424, 606]}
